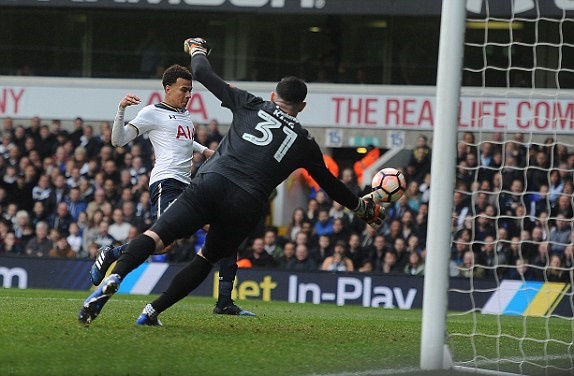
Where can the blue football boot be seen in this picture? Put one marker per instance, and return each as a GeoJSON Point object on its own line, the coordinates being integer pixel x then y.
{"type": "Point", "coordinates": [148, 317]}
{"type": "Point", "coordinates": [94, 303]}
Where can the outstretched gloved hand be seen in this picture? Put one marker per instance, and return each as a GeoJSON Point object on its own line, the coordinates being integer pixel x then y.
{"type": "Point", "coordinates": [193, 46]}
{"type": "Point", "coordinates": [370, 212]}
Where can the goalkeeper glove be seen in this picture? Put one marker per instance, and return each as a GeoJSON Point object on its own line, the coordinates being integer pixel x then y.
{"type": "Point", "coordinates": [193, 46]}
{"type": "Point", "coordinates": [370, 212]}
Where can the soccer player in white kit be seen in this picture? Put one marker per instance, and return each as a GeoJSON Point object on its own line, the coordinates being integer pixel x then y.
{"type": "Point", "coordinates": [171, 132]}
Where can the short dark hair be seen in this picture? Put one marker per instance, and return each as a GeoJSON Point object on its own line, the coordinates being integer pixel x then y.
{"type": "Point", "coordinates": [174, 72]}
{"type": "Point", "coordinates": [291, 89]}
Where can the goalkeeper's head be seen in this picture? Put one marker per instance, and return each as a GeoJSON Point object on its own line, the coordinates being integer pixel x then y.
{"type": "Point", "coordinates": [291, 92]}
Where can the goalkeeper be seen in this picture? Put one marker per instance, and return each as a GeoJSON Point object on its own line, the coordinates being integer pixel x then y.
{"type": "Point", "coordinates": [263, 146]}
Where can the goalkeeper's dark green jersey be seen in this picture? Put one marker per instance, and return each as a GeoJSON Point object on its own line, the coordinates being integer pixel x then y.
{"type": "Point", "coordinates": [264, 145]}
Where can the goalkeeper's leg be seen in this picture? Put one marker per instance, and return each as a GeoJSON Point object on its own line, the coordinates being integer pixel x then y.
{"type": "Point", "coordinates": [225, 305]}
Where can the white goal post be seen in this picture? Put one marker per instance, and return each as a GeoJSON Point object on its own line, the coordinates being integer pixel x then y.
{"type": "Point", "coordinates": [519, 73]}
{"type": "Point", "coordinates": [442, 176]}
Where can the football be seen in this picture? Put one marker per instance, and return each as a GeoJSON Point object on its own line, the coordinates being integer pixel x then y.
{"type": "Point", "coordinates": [389, 185]}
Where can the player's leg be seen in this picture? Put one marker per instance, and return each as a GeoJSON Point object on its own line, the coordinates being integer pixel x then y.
{"type": "Point", "coordinates": [104, 259]}
{"type": "Point", "coordinates": [181, 221]}
{"type": "Point", "coordinates": [233, 217]}
{"type": "Point", "coordinates": [162, 193]}
{"type": "Point", "coordinates": [225, 305]}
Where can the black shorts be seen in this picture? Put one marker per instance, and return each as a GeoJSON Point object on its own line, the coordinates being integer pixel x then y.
{"type": "Point", "coordinates": [231, 213]}
{"type": "Point", "coordinates": [163, 193]}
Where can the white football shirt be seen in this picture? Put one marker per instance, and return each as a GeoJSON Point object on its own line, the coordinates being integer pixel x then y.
{"type": "Point", "coordinates": [171, 133]}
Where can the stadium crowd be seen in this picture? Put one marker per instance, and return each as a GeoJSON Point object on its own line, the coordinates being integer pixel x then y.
{"type": "Point", "coordinates": [67, 193]}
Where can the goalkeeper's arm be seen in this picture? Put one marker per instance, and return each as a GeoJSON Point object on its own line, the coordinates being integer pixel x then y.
{"type": "Point", "coordinates": [203, 72]}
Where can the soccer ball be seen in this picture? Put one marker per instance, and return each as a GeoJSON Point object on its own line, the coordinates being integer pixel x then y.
{"type": "Point", "coordinates": [388, 185]}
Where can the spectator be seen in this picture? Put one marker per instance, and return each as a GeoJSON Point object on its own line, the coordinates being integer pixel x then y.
{"type": "Point", "coordinates": [522, 271]}
{"type": "Point", "coordinates": [80, 160]}
{"type": "Point", "coordinates": [399, 208]}
{"type": "Point", "coordinates": [61, 219]}
{"type": "Point", "coordinates": [61, 248]}
{"type": "Point", "coordinates": [258, 256]}
{"type": "Point", "coordinates": [272, 246]}
{"type": "Point", "coordinates": [559, 236]}
{"type": "Point", "coordinates": [542, 260]}
{"type": "Point", "coordinates": [492, 261]}
{"type": "Point", "coordinates": [377, 252]}
{"type": "Point", "coordinates": [58, 194]}
{"type": "Point", "coordinates": [390, 263]}
{"type": "Point", "coordinates": [76, 204]}
{"type": "Point", "coordinates": [295, 225]}
{"type": "Point", "coordinates": [288, 255]}
{"type": "Point", "coordinates": [312, 210]}
{"type": "Point", "coordinates": [350, 179]}
{"type": "Point", "coordinates": [74, 239]}
{"type": "Point", "coordinates": [22, 227]}
{"type": "Point", "coordinates": [354, 251]}
{"type": "Point", "coordinates": [421, 163]}
{"type": "Point", "coordinates": [338, 211]}
{"type": "Point", "coordinates": [324, 224]}
{"type": "Point", "coordinates": [323, 250]}
{"type": "Point", "coordinates": [103, 237]}
{"type": "Point", "coordinates": [98, 202]}
{"type": "Point", "coordinates": [40, 244]}
{"type": "Point", "coordinates": [38, 213]}
{"type": "Point", "coordinates": [137, 169]}
{"type": "Point", "coordinates": [462, 208]}
{"type": "Point", "coordinates": [413, 244]}
{"type": "Point", "coordinates": [213, 134]}
{"type": "Point", "coordinates": [340, 232]}
{"type": "Point", "coordinates": [367, 236]}
{"type": "Point", "coordinates": [563, 205]}
{"type": "Point", "coordinates": [78, 131]}
{"type": "Point", "coordinates": [89, 142]}
{"type": "Point", "coordinates": [41, 191]}
{"type": "Point", "coordinates": [537, 174]}
{"type": "Point", "coordinates": [143, 211]}
{"type": "Point", "coordinates": [468, 269]}
{"type": "Point", "coordinates": [415, 264]}
{"type": "Point", "coordinates": [87, 190]}
{"type": "Point", "coordinates": [9, 244]}
{"type": "Point", "coordinates": [110, 190]}
{"type": "Point", "coordinates": [460, 247]}
{"type": "Point", "coordinates": [323, 201]}
{"type": "Point", "coordinates": [400, 249]}
{"type": "Point", "coordinates": [338, 262]}
{"type": "Point", "coordinates": [91, 231]}
{"type": "Point", "coordinates": [303, 263]}
{"type": "Point", "coordinates": [556, 271]}
{"type": "Point", "coordinates": [119, 230]}
{"type": "Point", "coordinates": [73, 174]}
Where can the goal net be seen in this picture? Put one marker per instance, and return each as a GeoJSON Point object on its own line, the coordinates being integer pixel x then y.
{"type": "Point", "coordinates": [511, 258]}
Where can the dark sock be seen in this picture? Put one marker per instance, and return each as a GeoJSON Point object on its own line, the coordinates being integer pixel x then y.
{"type": "Point", "coordinates": [183, 283]}
{"type": "Point", "coordinates": [227, 272]}
{"type": "Point", "coordinates": [137, 252]}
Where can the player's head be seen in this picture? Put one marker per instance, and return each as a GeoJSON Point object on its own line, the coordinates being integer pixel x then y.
{"type": "Point", "coordinates": [291, 92]}
{"type": "Point", "coordinates": [176, 82]}
{"type": "Point", "coordinates": [171, 74]}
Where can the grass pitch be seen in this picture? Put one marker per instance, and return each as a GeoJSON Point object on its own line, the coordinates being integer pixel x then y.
{"type": "Point", "coordinates": [40, 335]}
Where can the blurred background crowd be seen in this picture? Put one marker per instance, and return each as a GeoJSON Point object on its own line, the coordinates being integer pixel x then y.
{"type": "Point", "coordinates": [65, 193]}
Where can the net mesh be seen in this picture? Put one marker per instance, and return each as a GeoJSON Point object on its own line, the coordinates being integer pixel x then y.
{"type": "Point", "coordinates": [512, 238]}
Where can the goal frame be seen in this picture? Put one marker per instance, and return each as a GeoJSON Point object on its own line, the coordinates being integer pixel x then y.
{"type": "Point", "coordinates": [434, 354]}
